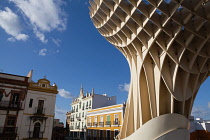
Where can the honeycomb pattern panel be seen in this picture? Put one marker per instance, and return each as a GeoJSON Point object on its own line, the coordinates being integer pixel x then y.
{"type": "Point", "coordinates": [167, 45]}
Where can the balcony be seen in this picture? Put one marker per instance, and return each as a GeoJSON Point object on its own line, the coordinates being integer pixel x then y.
{"type": "Point", "coordinates": [35, 135]}
{"type": "Point", "coordinates": [89, 124]}
{"type": "Point", "coordinates": [10, 105]}
{"type": "Point", "coordinates": [71, 127]}
{"type": "Point", "coordinates": [101, 124]}
{"type": "Point", "coordinates": [71, 119]}
{"type": "Point", "coordinates": [95, 124]}
{"type": "Point", "coordinates": [108, 123]}
{"type": "Point", "coordinates": [116, 123]}
{"type": "Point", "coordinates": [39, 111]}
{"type": "Point", "coordinates": [77, 127]}
{"type": "Point", "coordinates": [8, 132]}
{"type": "Point", "coordinates": [79, 118]}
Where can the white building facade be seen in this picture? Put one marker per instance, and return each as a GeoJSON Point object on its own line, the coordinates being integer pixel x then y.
{"type": "Point", "coordinates": [199, 129]}
{"type": "Point", "coordinates": [13, 91]}
{"type": "Point", "coordinates": [199, 124]}
{"type": "Point", "coordinates": [30, 107]}
{"type": "Point", "coordinates": [79, 108]}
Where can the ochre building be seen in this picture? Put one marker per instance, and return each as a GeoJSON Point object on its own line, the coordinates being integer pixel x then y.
{"type": "Point", "coordinates": [105, 123]}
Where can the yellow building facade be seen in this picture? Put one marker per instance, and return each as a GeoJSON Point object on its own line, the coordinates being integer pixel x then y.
{"type": "Point", "coordinates": [104, 123]}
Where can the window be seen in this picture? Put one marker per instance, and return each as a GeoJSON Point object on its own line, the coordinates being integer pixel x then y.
{"type": "Point", "coordinates": [43, 85]}
{"type": "Point", "coordinates": [116, 119]}
{"type": "Point", "coordinates": [101, 134]}
{"type": "Point", "coordinates": [82, 114]}
{"type": "Point", "coordinates": [30, 102]}
{"type": "Point", "coordinates": [108, 120]}
{"type": "Point", "coordinates": [101, 118]}
{"type": "Point", "coordinates": [10, 124]}
{"type": "Point", "coordinates": [95, 119]}
{"type": "Point", "coordinates": [40, 108]}
{"type": "Point", "coordinates": [15, 99]}
{"type": "Point", "coordinates": [89, 132]}
{"type": "Point", "coordinates": [89, 122]}
{"type": "Point", "coordinates": [90, 103]}
{"type": "Point", "coordinates": [11, 121]}
{"type": "Point", "coordinates": [101, 122]}
{"type": "Point", "coordinates": [108, 135]}
{"type": "Point", "coordinates": [116, 132]}
{"type": "Point", "coordinates": [80, 105]}
{"type": "Point", "coordinates": [95, 133]}
{"type": "Point", "coordinates": [83, 106]}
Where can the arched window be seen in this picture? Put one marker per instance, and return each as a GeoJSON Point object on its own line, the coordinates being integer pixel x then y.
{"type": "Point", "coordinates": [36, 130]}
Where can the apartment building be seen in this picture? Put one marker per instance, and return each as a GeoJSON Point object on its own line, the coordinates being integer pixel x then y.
{"type": "Point", "coordinates": [199, 129]}
{"type": "Point", "coordinates": [26, 107]}
{"type": "Point", "coordinates": [79, 108]}
{"type": "Point", "coordinates": [13, 91]}
{"type": "Point", "coordinates": [105, 123]}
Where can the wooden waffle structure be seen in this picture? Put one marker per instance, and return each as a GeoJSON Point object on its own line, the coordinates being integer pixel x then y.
{"type": "Point", "coordinates": [167, 46]}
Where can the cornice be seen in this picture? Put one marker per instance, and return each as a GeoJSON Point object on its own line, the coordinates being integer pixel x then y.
{"type": "Point", "coordinates": [14, 82]}
{"type": "Point", "coordinates": [43, 89]}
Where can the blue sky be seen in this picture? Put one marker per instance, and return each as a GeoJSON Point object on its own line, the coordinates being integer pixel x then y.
{"type": "Point", "coordinates": [57, 39]}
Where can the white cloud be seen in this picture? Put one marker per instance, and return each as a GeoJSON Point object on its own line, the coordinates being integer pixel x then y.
{"type": "Point", "coordinates": [42, 52]}
{"type": "Point", "coordinates": [9, 21]}
{"type": "Point", "coordinates": [44, 15]}
{"type": "Point", "coordinates": [56, 41]}
{"type": "Point", "coordinates": [41, 36]}
{"type": "Point", "coordinates": [200, 112]}
{"type": "Point", "coordinates": [64, 93]}
{"type": "Point", "coordinates": [12, 39]}
{"type": "Point", "coordinates": [124, 87]}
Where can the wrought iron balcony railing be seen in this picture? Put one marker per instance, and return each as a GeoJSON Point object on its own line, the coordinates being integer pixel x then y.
{"type": "Point", "coordinates": [71, 127]}
{"type": "Point", "coordinates": [108, 123]}
{"type": "Point", "coordinates": [116, 122]}
{"type": "Point", "coordinates": [79, 118]}
{"type": "Point", "coordinates": [89, 124]}
{"type": "Point", "coordinates": [8, 132]}
{"type": "Point", "coordinates": [39, 111]}
{"type": "Point", "coordinates": [35, 135]}
{"type": "Point", "coordinates": [95, 124]}
{"type": "Point", "coordinates": [101, 124]}
{"type": "Point", "coordinates": [10, 105]}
